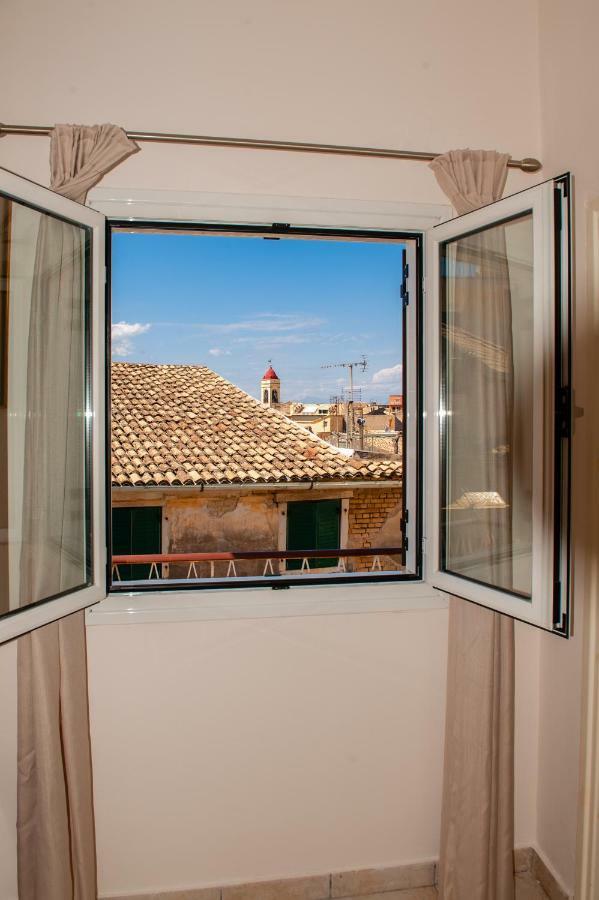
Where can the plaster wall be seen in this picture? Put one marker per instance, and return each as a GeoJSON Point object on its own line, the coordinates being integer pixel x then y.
{"type": "Point", "coordinates": [569, 66]}
{"type": "Point", "coordinates": [242, 749]}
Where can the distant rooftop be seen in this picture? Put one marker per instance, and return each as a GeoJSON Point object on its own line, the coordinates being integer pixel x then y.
{"type": "Point", "coordinates": [186, 425]}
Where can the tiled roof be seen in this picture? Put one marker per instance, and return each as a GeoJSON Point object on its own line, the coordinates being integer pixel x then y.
{"type": "Point", "coordinates": [185, 425]}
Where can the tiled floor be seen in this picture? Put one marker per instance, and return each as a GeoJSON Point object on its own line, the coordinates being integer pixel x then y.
{"type": "Point", "coordinates": [527, 888]}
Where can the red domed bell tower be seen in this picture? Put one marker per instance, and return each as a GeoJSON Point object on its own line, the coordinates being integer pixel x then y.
{"type": "Point", "coordinates": [270, 387]}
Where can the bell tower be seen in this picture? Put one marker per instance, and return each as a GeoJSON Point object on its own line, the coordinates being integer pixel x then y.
{"type": "Point", "coordinates": [270, 387]}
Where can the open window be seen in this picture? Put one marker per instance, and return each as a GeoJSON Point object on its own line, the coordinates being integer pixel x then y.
{"type": "Point", "coordinates": [499, 410]}
{"type": "Point", "coordinates": [52, 479]}
{"type": "Point", "coordinates": [484, 392]}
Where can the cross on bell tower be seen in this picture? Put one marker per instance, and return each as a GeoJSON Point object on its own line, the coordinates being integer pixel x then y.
{"type": "Point", "coordinates": [270, 387]}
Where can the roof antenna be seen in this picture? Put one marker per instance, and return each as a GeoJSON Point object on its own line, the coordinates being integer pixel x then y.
{"type": "Point", "coordinates": [361, 364]}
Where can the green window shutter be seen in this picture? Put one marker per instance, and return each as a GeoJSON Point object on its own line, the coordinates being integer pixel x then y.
{"type": "Point", "coordinates": [136, 529]}
{"type": "Point", "coordinates": [313, 525]}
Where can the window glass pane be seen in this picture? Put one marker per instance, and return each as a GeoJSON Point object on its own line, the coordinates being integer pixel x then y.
{"type": "Point", "coordinates": [44, 427]}
{"type": "Point", "coordinates": [487, 405]}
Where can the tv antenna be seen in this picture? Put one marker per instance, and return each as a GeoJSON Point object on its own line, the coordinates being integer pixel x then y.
{"type": "Point", "coordinates": [361, 364]}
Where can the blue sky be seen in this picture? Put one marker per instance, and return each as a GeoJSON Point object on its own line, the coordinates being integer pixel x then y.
{"type": "Point", "coordinates": [233, 303]}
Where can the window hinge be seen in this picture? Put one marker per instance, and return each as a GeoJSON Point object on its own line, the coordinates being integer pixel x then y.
{"type": "Point", "coordinates": [560, 621]}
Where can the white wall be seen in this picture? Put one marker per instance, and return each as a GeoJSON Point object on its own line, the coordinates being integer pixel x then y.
{"type": "Point", "coordinates": [243, 750]}
{"type": "Point", "coordinates": [570, 132]}
{"type": "Point", "coordinates": [226, 750]}
{"type": "Point", "coordinates": [386, 73]}
{"type": "Point", "coordinates": [252, 749]}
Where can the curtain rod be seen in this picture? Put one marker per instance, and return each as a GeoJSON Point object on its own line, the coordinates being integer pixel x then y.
{"type": "Point", "coordinates": [526, 165]}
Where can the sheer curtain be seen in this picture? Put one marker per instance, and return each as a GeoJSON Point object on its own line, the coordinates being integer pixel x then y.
{"type": "Point", "coordinates": [55, 822]}
{"type": "Point", "coordinates": [477, 822]}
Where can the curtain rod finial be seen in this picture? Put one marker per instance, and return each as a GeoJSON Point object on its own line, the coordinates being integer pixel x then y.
{"type": "Point", "coordinates": [529, 164]}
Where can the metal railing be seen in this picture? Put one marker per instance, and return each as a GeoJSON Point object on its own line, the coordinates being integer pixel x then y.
{"type": "Point", "coordinates": [230, 557]}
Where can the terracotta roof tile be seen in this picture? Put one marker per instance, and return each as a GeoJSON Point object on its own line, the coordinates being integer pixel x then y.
{"type": "Point", "coordinates": [185, 425]}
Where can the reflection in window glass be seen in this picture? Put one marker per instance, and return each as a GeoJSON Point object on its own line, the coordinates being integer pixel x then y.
{"type": "Point", "coordinates": [486, 414]}
{"type": "Point", "coordinates": [44, 507]}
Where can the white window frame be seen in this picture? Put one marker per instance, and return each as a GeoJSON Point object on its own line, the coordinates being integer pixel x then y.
{"type": "Point", "coordinates": [26, 618]}
{"type": "Point", "coordinates": [302, 599]}
{"type": "Point", "coordinates": [256, 602]}
{"type": "Point", "coordinates": [540, 201]}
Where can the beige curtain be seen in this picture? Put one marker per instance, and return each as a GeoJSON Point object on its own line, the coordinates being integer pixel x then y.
{"type": "Point", "coordinates": [55, 822]}
{"type": "Point", "coordinates": [477, 822]}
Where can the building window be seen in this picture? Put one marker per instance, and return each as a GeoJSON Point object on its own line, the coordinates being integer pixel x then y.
{"type": "Point", "coordinates": [313, 525]}
{"type": "Point", "coordinates": [136, 530]}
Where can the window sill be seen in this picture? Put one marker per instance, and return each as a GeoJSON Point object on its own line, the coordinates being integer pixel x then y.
{"type": "Point", "coordinates": [258, 603]}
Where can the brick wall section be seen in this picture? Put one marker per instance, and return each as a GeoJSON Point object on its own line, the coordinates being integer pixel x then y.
{"type": "Point", "coordinates": [374, 520]}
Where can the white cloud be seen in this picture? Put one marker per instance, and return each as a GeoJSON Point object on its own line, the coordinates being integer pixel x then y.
{"type": "Point", "coordinates": [275, 340]}
{"type": "Point", "coordinates": [219, 351]}
{"type": "Point", "coordinates": [268, 323]}
{"type": "Point", "coordinates": [392, 375]}
{"type": "Point", "coordinates": [123, 334]}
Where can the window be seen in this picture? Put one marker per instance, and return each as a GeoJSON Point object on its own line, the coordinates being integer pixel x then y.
{"type": "Point", "coordinates": [313, 524]}
{"type": "Point", "coordinates": [52, 558]}
{"type": "Point", "coordinates": [136, 530]}
{"type": "Point", "coordinates": [499, 406]}
{"type": "Point", "coordinates": [461, 469]}
{"type": "Point", "coordinates": [244, 399]}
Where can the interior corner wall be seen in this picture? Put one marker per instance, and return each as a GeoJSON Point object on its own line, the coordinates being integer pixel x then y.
{"type": "Point", "coordinates": [370, 690]}
{"type": "Point", "coordinates": [8, 770]}
{"type": "Point", "coordinates": [569, 69]}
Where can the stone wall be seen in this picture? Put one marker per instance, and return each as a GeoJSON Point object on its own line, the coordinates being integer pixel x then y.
{"type": "Point", "coordinates": [375, 521]}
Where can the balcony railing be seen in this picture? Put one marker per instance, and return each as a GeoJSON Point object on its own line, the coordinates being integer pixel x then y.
{"type": "Point", "coordinates": [229, 558]}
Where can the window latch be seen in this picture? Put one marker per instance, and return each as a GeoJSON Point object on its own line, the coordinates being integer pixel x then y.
{"type": "Point", "coordinates": [564, 412]}
{"type": "Point", "coordinates": [404, 293]}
